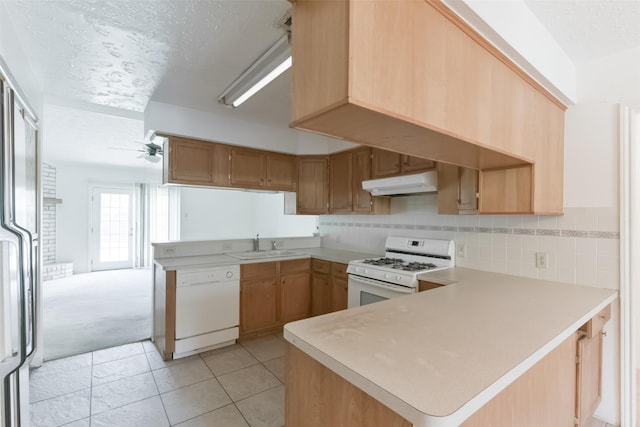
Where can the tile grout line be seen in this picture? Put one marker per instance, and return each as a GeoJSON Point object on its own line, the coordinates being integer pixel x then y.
{"type": "Point", "coordinates": [157, 389]}
{"type": "Point", "coordinates": [91, 391]}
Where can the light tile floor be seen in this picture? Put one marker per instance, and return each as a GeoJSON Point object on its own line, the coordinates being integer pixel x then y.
{"type": "Point", "coordinates": [131, 386]}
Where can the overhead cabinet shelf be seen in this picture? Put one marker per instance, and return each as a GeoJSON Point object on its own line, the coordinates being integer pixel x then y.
{"type": "Point", "coordinates": [435, 90]}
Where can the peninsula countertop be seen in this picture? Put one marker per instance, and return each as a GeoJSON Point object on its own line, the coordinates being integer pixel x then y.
{"type": "Point", "coordinates": [438, 356]}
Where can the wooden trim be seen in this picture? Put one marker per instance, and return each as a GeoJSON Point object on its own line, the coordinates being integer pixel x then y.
{"type": "Point", "coordinates": [170, 325]}
{"type": "Point", "coordinates": [246, 336]}
{"type": "Point", "coordinates": [478, 38]}
{"type": "Point", "coordinates": [542, 396]}
{"type": "Point", "coordinates": [317, 397]}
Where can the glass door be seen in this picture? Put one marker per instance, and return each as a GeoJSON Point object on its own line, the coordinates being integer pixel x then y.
{"type": "Point", "coordinates": [112, 230]}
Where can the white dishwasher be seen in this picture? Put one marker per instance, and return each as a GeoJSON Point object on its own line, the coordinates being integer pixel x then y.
{"type": "Point", "coordinates": [207, 308]}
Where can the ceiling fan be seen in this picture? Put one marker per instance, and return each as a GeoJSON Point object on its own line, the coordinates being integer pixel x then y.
{"type": "Point", "coordinates": [150, 151]}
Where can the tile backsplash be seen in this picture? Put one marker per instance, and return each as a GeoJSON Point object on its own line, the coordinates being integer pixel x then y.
{"type": "Point", "coordinates": [582, 245]}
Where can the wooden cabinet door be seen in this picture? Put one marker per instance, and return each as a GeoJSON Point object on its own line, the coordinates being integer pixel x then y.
{"type": "Point", "coordinates": [339, 293]}
{"type": "Point", "coordinates": [589, 377]}
{"type": "Point", "coordinates": [320, 294]}
{"type": "Point", "coordinates": [341, 182]}
{"type": "Point", "coordinates": [220, 176]}
{"type": "Point", "coordinates": [416, 164]}
{"type": "Point", "coordinates": [313, 191]}
{"type": "Point", "coordinates": [362, 199]}
{"type": "Point", "coordinates": [384, 163]}
{"type": "Point", "coordinates": [190, 161]}
{"type": "Point", "coordinates": [282, 172]}
{"type": "Point", "coordinates": [467, 189]}
{"type": "Point", "coordinates": [295, 297]}
{"type": "Point", "coordinates": [258, 302]}
{"type": "Point", "coordinates": [248, 168]}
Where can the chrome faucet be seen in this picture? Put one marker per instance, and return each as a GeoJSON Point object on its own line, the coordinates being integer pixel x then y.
{"type": "Point", "coordinates": [256, 243]}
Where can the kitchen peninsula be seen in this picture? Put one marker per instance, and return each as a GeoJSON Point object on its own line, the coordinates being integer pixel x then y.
{"type": "Point", "coordinates": [487, 349]}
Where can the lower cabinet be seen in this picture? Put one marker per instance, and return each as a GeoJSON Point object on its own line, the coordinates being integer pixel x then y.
{"type": "Point", "coordinates": [295, 290]}
{"type": "Point", "coordinates": [273, 293]}
{"type": "Point", "coordinates": [328, 287]}
{"type": "Point", "coordinates": [339, 283]}
{"type": "Point", "coordinates": [320, 287]}
{"type": "Point", "coordinates": [258, 296]}
{"type": "Point", "coordinates": [589, 367]}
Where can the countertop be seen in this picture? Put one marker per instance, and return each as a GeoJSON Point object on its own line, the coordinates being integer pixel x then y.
{"type": "Point", "coordinates": [438, 356]}
{"type": "Point", "coordinates": [333, 255]}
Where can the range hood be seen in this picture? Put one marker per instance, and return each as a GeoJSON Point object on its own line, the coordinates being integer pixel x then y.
{"type": "Point", "coordinates": [425, 182]}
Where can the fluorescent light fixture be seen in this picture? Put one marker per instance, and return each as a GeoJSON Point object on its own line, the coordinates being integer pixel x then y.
{"type": "Point", "coordinates": [270, 65]}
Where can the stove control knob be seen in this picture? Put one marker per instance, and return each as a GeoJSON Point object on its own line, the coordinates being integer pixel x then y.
{"type": "Point", "coordinates": [229, 274]}
{"type": "Point", "coordinates": [399, 278]}
{"type": "Point", "coordinates": [386, 276]}
{"type": "Point", "coordinates": [366, 271]}
{"type": "Point", "coordinates": [358, 269]}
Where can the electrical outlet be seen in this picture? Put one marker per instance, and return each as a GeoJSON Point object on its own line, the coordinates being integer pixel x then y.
{"type": "Point", "coordinates": [542, 260]}
{"type": "Point", "coordinates": [461, 250]}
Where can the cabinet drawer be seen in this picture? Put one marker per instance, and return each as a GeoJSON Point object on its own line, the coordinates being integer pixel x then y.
{"type": "Point", "coordinates": [295, 266]}
{"type": "Point", "coordinates": [596, 323]}
{"type": "Point", "coordinates": [262, 269]}
{"type": "Point", "coordinates": [320, 266]}
{"type": "Point", "coordinates": [339, 270]}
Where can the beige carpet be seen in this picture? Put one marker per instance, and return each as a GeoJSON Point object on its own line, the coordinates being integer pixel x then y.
{"type": "Point", "coordinates": [92, 311]}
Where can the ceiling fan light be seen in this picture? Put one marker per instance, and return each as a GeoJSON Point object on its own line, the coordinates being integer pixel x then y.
{"type": "Point", "coordinates": [265, 69]}
{"type": "Point", "coordinates": [153, 159]}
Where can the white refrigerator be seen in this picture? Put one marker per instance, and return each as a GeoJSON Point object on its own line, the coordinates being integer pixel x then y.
{"type": "Point", "coordinates": [19, 247]}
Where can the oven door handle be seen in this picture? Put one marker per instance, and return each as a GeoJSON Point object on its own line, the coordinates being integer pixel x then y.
{"type": "Point", "coordinates": [395, 288]}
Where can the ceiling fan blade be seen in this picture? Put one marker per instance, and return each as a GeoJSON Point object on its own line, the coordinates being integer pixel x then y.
{"type": "Point", "coordinates": [142, 156]}
{"type": "Point", "coordinates": [127, 149]}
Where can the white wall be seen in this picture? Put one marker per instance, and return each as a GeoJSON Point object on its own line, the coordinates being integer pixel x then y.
{"type": "Point", "coordinates": [514, 29]}
{"type": "Point", "coordinates": [74, 184]}
{"type": "Point", "coordinates": [211, 214]}
{"type": "Point", "coordinates": [229, 128]}
{"type": "Point", "coordinates": [15, 57]}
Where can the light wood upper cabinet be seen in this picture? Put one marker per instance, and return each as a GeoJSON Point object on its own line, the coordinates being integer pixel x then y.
{"type": "Point", "coordinates": [313, 185]}
{"type": "Point", "coordinates": [446, 95]}
{"type": "Point", "coordinates": [248, 168]}
{"type": "Point", "coordinates": [341, 182]}
{"type": "Point", "coordinates": [385, 163]}
{"type": "Point", "coordinates": [457, 190]}
{"type": "Point", "coordinates": [347, 170]}
{"type": "Point", "coordinates": [411, 164]}
{"type": "Point", "coordinates": [361, 200]}
{"type": "Point", "coordinates": [193, 162]}
{"type": "Point", "coordinates": [282, 171]}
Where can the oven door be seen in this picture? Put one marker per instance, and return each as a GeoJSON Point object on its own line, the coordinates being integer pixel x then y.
{"type": "Point", "coordinates": [363, 291]}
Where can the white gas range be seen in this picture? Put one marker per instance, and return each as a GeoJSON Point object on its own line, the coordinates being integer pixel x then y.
{"type": "Point", "coordinates": [395, 274]}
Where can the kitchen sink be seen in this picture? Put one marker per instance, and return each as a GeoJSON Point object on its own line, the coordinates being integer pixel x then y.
{"type": "Point", "coordinates": [261, 254]}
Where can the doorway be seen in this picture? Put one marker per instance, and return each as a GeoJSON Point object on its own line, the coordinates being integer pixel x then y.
{"type": "Point", "coordinates": [111, 228]}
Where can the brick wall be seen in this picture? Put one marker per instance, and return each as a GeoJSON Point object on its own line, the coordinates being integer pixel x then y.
{"type": "Point", "coordinates": [48, 215]}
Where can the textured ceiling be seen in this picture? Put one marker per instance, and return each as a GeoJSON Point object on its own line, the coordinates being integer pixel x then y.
{"type": "Point", "coordinates": [123, 53]}
{"type": "Point", "coordinates": [590, 29]}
